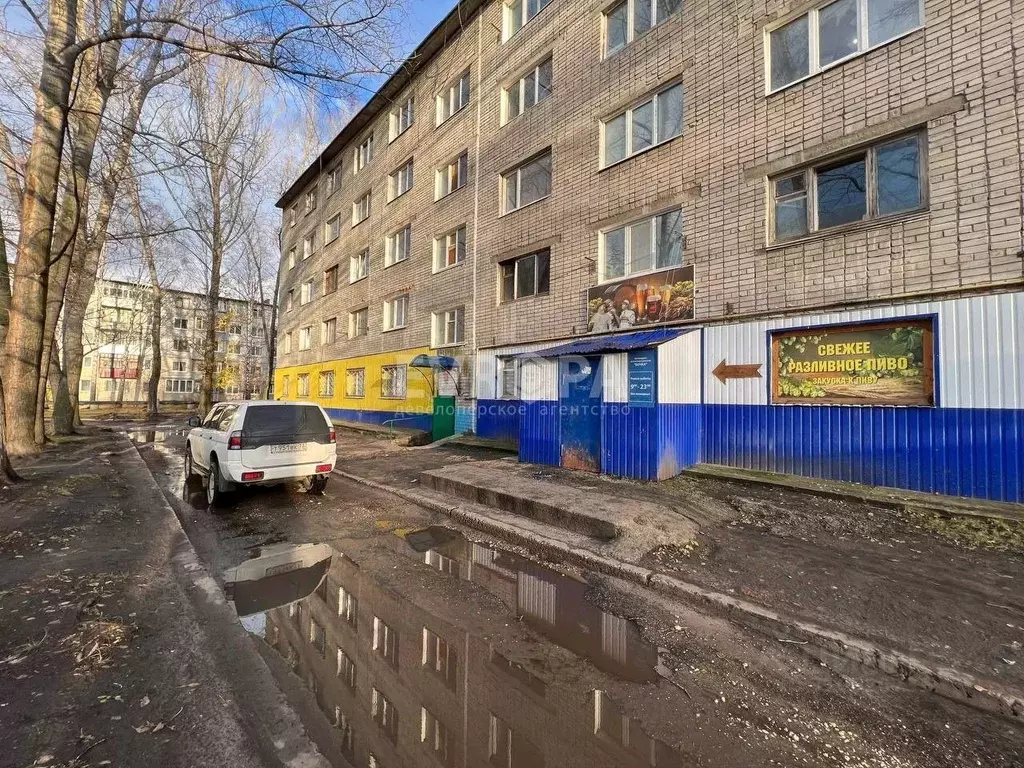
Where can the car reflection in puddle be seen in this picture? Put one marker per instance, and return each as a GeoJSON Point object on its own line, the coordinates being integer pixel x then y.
{"type": "Point", "coordinates": [399, 682]}
{"type": "Point", "coordinates": [145, 436]}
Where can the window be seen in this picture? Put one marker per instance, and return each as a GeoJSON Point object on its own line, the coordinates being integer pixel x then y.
{"type": "Point", "coordinates": [400, 181]}
{"type": "Point", "coordinates": [402, 117]}
{"type": "Point", "coordinates": [326, 384]}
{"type": "Point", "coordinates": [358, 322]}
{"type": "Point", "coordinates": [645, 125]}
{"type": "Point", "coordinates": [291, 258]}
{"type": "Point", "coordinates": [235, 328]}
{"type": "Point", "coordinates": [288, 342]}
{"type": "Point", "coordinates": [200, 323]}
{"type": "Point", "coordinates": [363, 154]}
{"type": "Point", "coordinates": [332, 228]}
{"type": "Point", "coordinates": [644, 246]}
{"type": "Point", "coordinates": [181, 345]}
{"type": "Point", "coordinates": [334, 179]}
{"type": "Point", "coordinates": [329, 331]}
{"type": "Point", "coordinates": [395, 311]}
{"type": "Point", "coordinates": [355, 382]}
{"type": "Point", "coordinates": [449, 327]}
{"type": "Point", "coordinates": [361, 209]}
{"type": "Point", "coordinates": [308, 245]}
{"type": "Point", "coordinates": [289, 300]}
{"type": "Point", "coordinates": [310, 200]}
{"type": "Point", "coordinates": [346, 669]}
{"type": "Point", "coordinates": [454, 98]}
{"type": "Point", "coordinates": [285, 384]}
{"type": "Point", "coordinates": [517, 12]}
{"type": "Point", "coordinates": [509, 378]}
{"type": "Point", "coordinates": [305, 337]}
{"type": "Point", "coordinates": [317, 637]}
{"type": "Point", "coordinates": [331, 280]}
{"type": "Point", "coordinates": [882, 180]}
{"type": "Point", "coordinates": [834, 32]}
{"type": "Point", "coordinates": [384, 714]}
{"type": "Point", "coordinates": [452, 177]}
{"type": "Point", "coordinates": [385, 641]}
{"type": "Point", "coordinates": [177, 386]}
{"type": "Point", "coordinates": [292, 216]}
{"type": "Point", "coordinates": [306, 292]}
{"type": "Point", "coordinates": [528, 183]}
{"type": "Point", "coordinates": [436, 736]}
{"type": "Point", "coordinates": [359, 265]}
{"type": "Point", "coordinates": [398, 245]}
{"type": "Point", "coordinates": [347, 606]}
{"type": "Point", "coordinates": [180, 323]}
{"type": "Point", "coordinates": [628, 20]}
{"type": "Point", "coordinates": [302, 381]}
{"type": "Point", "coordinates": [440, 658]}
{"type": "Point", "coordinates": [508, 749]}
{"type": "Point", "coordinates": [528, 275]}
{"type": "Point", "coordinates": [533, 87]}
{"type": "Point", "coordinates": [392, 382]}
{"type": "Point", "coordinates": [347, 732]}
{"type": "Point", "coordinates": [179, 366]}
{"type": "Point", "coordinates": [450, 249]}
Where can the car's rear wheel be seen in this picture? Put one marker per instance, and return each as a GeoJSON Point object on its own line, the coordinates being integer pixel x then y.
{"type": "Point", "coordinates": [214, 485]}
{"type": "Point", "coordinates": [317, 484]}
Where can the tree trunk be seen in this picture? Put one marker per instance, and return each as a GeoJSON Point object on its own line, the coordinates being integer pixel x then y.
{"type": "Point", "coordinates": [62, 416]}
{"type": "Point", "coordinates": [24, 344]}
{"type": "Point", "coordinates": [6, 470]}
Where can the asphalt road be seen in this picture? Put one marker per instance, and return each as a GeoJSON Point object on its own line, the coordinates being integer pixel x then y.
{"type": "Point", "coordinates": [406, 638]}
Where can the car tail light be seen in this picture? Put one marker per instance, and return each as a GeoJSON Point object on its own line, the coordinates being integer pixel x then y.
{"type": "Point", "coordinates": [235, 441]}
{"type": "Point", "coordinates": [246, 476]}
{"type": "Point", "coordinates": [332, 436]}
{"type": "Point", "coordinates": [323, 468]}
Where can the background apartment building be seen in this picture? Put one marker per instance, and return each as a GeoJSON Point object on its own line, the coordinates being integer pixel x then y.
{"type": "Point", "coordinates": [791, 233]}
{"type": "Point", "coordinates": [118, 346]}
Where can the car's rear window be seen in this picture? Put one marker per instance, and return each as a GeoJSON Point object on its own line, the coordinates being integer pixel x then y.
{"type": "Point", "coordinates": [303, 421]}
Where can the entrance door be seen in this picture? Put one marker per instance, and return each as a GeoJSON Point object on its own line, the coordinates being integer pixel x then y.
{"type": "Point", "coordinates": [443, 424]}
{"type": "Point", "coordinates": [579, 394]}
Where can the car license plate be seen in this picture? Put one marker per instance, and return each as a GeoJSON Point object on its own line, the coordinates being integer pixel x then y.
{"type": "Point", "coordinates": [289, 448]}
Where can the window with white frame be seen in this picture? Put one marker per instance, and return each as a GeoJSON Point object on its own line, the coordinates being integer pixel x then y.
{"type": "Point", "coordinates": [361, 209]}
{"type": "Point", "coordinates": [181, 345]}
{"type": "Point", "coordinates": [452, 177]}
{"type": "Point", "coordinates": [287, 342]}
{"type": "Point", "coordinates": [384, 714]}
{"type": "Point", "coordinates": [398, 245]}
{"type": "Point", "coordinates": [454, 98]}
{"type": "Point", "coordinates": [631, 18]}
{"type": "Point", "coordinates": [347, 732]}
{"type": "Point", "coordinates": [348, 607]}
{"type": "Point", "coordinates": [436, 736]}
{"type": "Point", "coordinates": [358, 322]}
{"type": "Point", "coordinates": [653, 122]}
{"type": "Point", "coordinates": [834, 32]}
{"type": "Point", "coordinates": [329, 331]}
{"type": "Point", "coordinates": [440, 657]}
{"type": "Point", "coordinates": [395, 311]}
{"type": "Point", "coordinates": [306, 292]}
{"type": "Point", "coordinates": [531, 88]}
{"type": "Point", "coordinates": [449, 327]}
{"type": "Point", "coordinates": [334, 179]}
{"type": "Point", "coordinates": [883, 180]}
{"type": "Point", "coordinates": [302, 385]}
{"type": "Point", "coordinates": [402, 117]}
{"type": "Point", "coordinates": [176, 386]}
{"type": "Point", "coordinates": [326, 384]}
{"type": "Point", "coordinates": [385, 641]}
{"type": "Point", "coordinates": [180, 323]}
{"type": "Point", "coordinates": [289, 300]}
{"type": "Point", "coordinates": [392, 381]}
{"type": "Point", "coordinates": [528, 183]}
{"type": "Point", "coordinates": [285, 385]}
{"type": "Point", "coordinates": [332, 228]}
{"type": "Point", "coordinates": [310, 202]}
{"type": "Point", "coordinates": [179, 366]}
{"type": "Point", "coordinates": [308, 244]}
{"type": "Point", "coordinates": [508, 378]}
{"type": "Point", "coordinates": [346, 669]}
{"type": "Point", "coordinates": [359, 265]}
{"type": "Point", "coordinates": [291, 258]}
{"type": "Point", "coordinates": [400, 181]}
{"type": "Point", "coordinates": [523, 276]}
{"type": "Point", "coordinates": [450, 249]}
{"type": "Point", "coordinates": [643, 246]}
{"type": "Point", "coordinates": [306, 337]}
{"type": "Point", "coordinates": [363, 154]}
{"type": "Point", "coordinates": [516, 13]}
{"type": "Point", "coordinates": [355, 382]}
{"type": "Point", "coordinates": [292, 216]}
{"type": "Point", "coordinates": [200, 323]}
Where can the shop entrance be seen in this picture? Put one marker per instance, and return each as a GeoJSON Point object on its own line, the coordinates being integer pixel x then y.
{"type": "Point", "coordinates": [579, 400]}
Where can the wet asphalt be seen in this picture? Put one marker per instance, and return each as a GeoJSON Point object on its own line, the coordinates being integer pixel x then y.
{"type": "Point", "coordinates": [397, 635]}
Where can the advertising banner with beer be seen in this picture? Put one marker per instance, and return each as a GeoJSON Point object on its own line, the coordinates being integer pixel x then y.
{"type": "Point", "coordinates": [641, 301]}
{"type": "Point", "coordinates": [887, 363]}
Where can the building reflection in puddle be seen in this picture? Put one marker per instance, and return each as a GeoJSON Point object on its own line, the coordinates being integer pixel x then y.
{"type": "Point", "coordinates": [404, 687]}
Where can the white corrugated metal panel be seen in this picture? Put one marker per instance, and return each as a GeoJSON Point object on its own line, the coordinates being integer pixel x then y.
{"type": "Point", "coordinates": [679, 369]}
{"type": "Point", "coordinates": [536, 598]}
{"type": "Point", "coordinates": [539, 380]}
{"type": "Point", "coordinates": [614, 369]}
{"type": "Point", "coordinates": [614, 631]}
{"type": "Point", "coordinates": [487, 365]}
{"type": "Point", "coordinates": [979, 339]}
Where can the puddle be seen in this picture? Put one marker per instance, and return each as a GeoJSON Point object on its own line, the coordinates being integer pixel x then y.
{"type": "Point", "coordinates": [145, 436]}
{"type": "Point", "coordinates": [401, 681]}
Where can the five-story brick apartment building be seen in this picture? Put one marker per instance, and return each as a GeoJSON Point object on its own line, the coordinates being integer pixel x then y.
{"type": "Point", "coordinates": [775, 235]}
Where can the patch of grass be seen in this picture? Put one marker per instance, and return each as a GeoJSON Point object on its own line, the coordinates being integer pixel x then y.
{"type": "Point", "coordinates": [971, 532]}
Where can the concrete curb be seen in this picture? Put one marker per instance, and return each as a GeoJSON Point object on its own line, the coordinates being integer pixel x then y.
{"type": "Point", "coordinates": [944, 681]}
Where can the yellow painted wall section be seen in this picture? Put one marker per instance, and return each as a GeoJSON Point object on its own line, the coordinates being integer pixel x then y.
{"type": "Point", "coordinates": [419, 383]}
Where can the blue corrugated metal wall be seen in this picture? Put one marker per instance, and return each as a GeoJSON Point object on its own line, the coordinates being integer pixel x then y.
{"type": "Point", "coordinates": [421, 421]}
{"type": "Point", "coordinates": [499, 419]}
{"type": "Point", "coordinates": [539, 433]}
{"type": "Point", "coordinates": [955, 451]}
{"type": "Point", "coordinates": [629, 441]}
{"type": "Point", "coordinates": [680, 428]}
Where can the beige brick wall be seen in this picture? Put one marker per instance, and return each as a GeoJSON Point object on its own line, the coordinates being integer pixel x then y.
{"type": "Point", "coordinates": [970, 235]}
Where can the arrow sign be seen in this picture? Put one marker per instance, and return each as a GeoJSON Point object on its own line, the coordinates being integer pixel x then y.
{"type": "Point", "coordinates": [725, 372]}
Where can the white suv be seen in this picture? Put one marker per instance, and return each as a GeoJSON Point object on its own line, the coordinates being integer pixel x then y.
{"type": "Point", "coordinates": [260, 442]}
